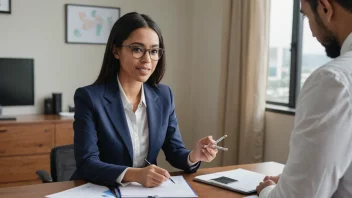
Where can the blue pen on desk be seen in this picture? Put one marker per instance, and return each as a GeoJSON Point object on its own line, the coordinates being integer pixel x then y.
{"type": "Point", "coordinates": [164, 175]}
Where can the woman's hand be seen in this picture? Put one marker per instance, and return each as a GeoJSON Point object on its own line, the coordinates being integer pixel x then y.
{"type": "Point", "coordinates": [204, 151]}
{"type": "Point", "coordinates": [150, 176]}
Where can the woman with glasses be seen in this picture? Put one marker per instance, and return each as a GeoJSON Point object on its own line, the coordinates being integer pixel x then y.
{"type": "Point", "coordinates": [126, 117]}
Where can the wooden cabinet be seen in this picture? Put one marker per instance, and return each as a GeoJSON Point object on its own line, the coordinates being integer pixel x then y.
{"type": "Point", "coordinates": [25, 146]}
{"type": "Point", "coordinates": [63, 134]}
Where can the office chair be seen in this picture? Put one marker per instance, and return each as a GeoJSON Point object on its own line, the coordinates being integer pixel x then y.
{"type": "Point", "coordinates": [62, 165]}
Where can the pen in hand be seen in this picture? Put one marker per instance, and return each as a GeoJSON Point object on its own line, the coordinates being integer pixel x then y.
{"type": "Point", "coordinates": [219, 140]}
{"type": "Point", "coordinates": [146, 161]}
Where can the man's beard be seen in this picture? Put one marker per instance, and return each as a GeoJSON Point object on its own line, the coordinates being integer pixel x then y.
{"type": "Point", "coordinates": [329, 41]}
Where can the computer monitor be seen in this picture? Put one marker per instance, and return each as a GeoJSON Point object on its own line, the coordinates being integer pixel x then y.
{"type": "Point", "coordinates": [16, 82]}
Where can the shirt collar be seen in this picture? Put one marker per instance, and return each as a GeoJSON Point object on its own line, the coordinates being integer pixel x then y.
{"type": "Point", "coordinates": [126, 103]}
{"type": "Point", "coordinates": [347, 44]}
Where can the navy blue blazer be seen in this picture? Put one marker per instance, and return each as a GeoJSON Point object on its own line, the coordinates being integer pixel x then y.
{"type": "Point", "coordinates": [102, 141]}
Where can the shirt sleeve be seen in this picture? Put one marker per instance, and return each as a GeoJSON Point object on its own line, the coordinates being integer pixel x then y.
{"type": "Point", "coordinates": [120, 178]}
{"type": "Point", "coordinates": [321, 141]}
{"type": "Point", "coordinates": [190, 164]}
{"type": "Point", "coordinates": [266, 191]}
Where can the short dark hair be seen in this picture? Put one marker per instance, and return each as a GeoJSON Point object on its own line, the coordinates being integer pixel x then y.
{"type": "Point", "coordinates": [346, 4]}
{"type": "Point", "coordinates": [120, 32]}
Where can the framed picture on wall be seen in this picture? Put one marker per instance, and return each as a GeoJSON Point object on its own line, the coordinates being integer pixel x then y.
{"type": "Point", "coordinates": [87, 24]}
{"type": "Point", "coordinates": [5, 6]}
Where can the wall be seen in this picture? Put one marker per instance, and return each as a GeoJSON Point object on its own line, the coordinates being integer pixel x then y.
{"type": "Point", "coordinates": [210, 43]}
{"type": "Point", "coordinates": [278, 128]}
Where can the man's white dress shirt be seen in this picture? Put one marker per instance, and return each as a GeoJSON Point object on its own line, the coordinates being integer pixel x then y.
{"type": "Point", "coordinates": [319, 161]}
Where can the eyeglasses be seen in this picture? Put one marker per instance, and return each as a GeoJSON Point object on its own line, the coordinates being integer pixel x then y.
{"type": "Point", "coordinates": [139, 51]}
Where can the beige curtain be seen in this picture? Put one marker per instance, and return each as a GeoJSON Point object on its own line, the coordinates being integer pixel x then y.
{"type": "Point", "coordinates": [246, 81]}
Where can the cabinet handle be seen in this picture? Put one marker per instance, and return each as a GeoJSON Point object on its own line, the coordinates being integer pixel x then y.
{"type": "Point", "coordinates": [3, 130]}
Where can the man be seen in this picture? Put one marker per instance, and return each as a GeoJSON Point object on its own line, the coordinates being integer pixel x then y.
{"type": "Point", "coordinates": [319, 163]}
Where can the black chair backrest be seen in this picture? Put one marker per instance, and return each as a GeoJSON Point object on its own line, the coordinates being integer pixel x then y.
{"type": "Point", "coordinates": [62, 163]}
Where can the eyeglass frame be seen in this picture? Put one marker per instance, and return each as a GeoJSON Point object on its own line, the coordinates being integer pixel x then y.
{"type": "Point", "coordinates": [146, 50]}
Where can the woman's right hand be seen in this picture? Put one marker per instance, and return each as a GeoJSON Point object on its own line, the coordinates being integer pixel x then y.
{"type": "Point", "coordinates": [150, 176]}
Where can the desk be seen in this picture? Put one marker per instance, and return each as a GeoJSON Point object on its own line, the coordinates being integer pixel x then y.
{"type": "Point", "coordinates": [203, 190]}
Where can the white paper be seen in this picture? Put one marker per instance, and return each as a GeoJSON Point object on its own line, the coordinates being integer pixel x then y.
{"type": "Point", "coordinates": [247, 181]}
{"type": "Point", "coordinates": [88, 190]}
{"type": "Point", "coordinates": [167, 189]}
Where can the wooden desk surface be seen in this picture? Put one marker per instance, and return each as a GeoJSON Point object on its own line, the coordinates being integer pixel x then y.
{"type": "Point", "coordinates": [203, 190]}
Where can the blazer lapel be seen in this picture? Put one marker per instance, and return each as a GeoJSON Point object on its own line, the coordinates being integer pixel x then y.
{"type": "Point", "coordinates": [154, 120]}
{"type": "Point", "coordinates": [116, 113]}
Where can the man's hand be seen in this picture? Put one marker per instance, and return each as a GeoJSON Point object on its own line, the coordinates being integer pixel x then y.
{"type": "Point", "coordinates": [275, 179]}
{"type": "Point", "coordinates": [263, 185]}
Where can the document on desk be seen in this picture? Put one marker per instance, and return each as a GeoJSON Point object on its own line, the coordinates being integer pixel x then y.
{"type": "Point", "coordinates": [88, 190]}
{"type": "Point", "coordinates": [167, 189]}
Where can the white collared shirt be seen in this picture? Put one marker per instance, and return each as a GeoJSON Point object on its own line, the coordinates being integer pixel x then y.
{"type": "Point", "coordinates": [319, 161]}
{"type": "Point", "coordinates": [138, 126]}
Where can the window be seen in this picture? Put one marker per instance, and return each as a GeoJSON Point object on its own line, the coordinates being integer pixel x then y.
{"type": "Point", "coordinates": [281, 14]}
{"type": "Point", "coordinates": [294, 53]}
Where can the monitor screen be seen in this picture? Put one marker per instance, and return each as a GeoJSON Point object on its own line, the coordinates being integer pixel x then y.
{"type": "Point", "coordinates": [16, 82]}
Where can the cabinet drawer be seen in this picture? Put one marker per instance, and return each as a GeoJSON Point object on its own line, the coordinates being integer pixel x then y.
{"type": "Point", "coordinates": [26, 139]}
{"type": "Point", "coordinates": [22, 168]}
{"type": "Point", "coordinates": [63, 134]}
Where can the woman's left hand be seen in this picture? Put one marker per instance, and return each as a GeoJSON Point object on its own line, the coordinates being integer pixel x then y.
{"type": "Point", "coordinates": [205, 150]}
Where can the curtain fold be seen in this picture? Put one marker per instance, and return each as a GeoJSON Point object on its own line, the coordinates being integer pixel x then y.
{"type": "Point", "coordinates": [246, 81]}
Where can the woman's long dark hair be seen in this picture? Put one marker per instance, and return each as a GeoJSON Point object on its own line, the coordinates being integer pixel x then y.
{"type": "Point", "coordinates": [120, 32]}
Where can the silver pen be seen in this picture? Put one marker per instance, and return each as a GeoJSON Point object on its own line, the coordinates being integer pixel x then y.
{"type": "Point", "coordinates": [220, 139]}
{"type": "Point", "coordinates": [219, 147]}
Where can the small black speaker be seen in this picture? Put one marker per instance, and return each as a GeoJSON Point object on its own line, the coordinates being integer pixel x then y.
{"type": "Point", "coordinates": [57, 103]}
{"type": "Point", "coordinates": [48, 106]}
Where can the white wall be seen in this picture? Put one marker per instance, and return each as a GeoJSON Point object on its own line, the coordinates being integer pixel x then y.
{"type": "Point", "coordinates": [277, 134]}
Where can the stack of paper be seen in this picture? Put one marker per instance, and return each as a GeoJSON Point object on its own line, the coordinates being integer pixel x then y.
{"type": "Point", "coordinates": [167, 189]}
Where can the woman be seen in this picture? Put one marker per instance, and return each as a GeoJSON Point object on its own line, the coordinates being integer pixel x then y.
{"type": "Point", "coordinates": [126, 116]}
